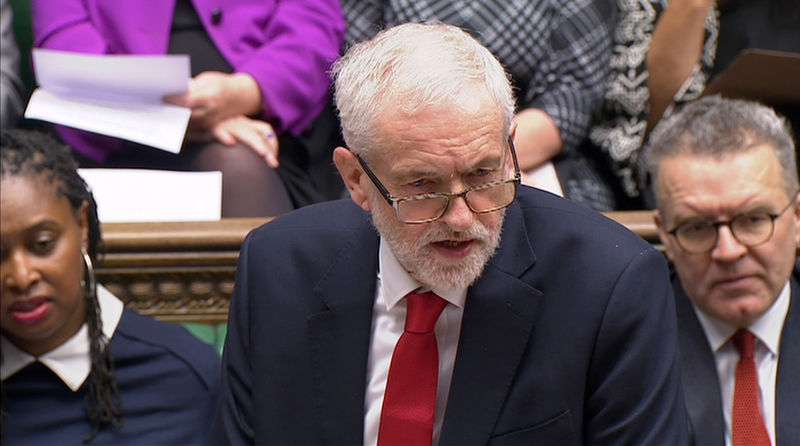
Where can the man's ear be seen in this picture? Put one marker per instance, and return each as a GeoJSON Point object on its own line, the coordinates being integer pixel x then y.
{"type": "Point", "coordinates": [354, 178]}
{"type": "Point", "coordinates": [662, 233]}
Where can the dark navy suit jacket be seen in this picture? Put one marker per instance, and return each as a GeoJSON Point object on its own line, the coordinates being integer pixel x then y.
{"type": "Point", "coordinates": [701, 382]}
{"type": "Point", "coordinates": [568, 337]}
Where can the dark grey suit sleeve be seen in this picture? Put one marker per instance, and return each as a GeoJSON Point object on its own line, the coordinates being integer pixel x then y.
{"type": "Point", "coordinates": [233, 424]}
{"type": "Point", "coordinates": [634, 395]}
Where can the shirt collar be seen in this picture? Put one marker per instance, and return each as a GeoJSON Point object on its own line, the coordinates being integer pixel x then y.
{"type": "Point", "coordinates": [767, 328]}
{"type": "Point", "coordinates": [70, 361]}
{"type": "Point", "coordinates": [395, 281]}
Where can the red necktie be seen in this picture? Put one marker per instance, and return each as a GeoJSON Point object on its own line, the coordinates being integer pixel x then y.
{"type": "Point", "coordinates": [748, 423]}
{"type": "Point", "coordinates": [410, 398]}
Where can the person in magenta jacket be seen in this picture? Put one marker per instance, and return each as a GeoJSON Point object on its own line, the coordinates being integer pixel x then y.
{"type": "Point", "coordinates": [260, 70]}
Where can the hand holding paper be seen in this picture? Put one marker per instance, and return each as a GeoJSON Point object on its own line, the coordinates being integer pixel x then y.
{"type": "Point", "coordinates": [115, 95]}
{"type": "Point", "coordinates": [214, 97]}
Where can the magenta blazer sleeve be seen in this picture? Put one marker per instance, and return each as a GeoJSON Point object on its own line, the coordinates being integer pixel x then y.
{"type": "Point", "coordinates": [288, 46]}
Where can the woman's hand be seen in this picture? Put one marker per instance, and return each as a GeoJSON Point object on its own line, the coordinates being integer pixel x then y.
{"type": "Point", "coordinates": [258, 135]}
{"type": "Point", "coordinates": [214, 97]}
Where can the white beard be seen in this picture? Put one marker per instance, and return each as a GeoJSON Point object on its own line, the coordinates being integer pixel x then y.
{"type": "Point", "coordinates": [419, 257]}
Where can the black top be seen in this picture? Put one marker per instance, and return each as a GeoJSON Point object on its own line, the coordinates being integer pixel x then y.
{"type": "Point", "coordinates": [188, 36]}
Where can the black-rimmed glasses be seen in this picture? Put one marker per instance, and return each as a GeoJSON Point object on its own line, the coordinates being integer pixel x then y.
{"type": "Point", "coordinates": [700, 235]}
{"type": "Point", "coordinates": [425, 208]}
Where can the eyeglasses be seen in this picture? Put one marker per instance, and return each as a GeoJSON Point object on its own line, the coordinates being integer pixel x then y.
{"type": "Point", "coordinates": [700, 235]}
{"type": "Point", "coordinates": [425, 208]}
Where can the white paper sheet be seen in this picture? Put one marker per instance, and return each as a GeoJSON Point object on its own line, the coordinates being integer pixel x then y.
{"type": "Point", "coordinates": [543, 177]}
{"type": "Point", "coordinates": [131, 195]}
{"type": "Point", "coordinates": [115, 95]}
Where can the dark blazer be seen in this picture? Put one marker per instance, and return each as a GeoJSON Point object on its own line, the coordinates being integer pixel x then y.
{"type": "Point", "coordinates": [568, 337]}
{"type": "Point", "coordinates": [701, 382]}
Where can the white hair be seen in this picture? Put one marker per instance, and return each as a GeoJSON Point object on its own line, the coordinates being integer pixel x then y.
{"type": "Point", "coordinates": [413, 66]}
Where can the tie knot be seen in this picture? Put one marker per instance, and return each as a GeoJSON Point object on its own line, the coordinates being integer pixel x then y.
{"type": "Point", "coordinates": [423, 311]}
{"type": "Point", "coordinates": [743, 340]}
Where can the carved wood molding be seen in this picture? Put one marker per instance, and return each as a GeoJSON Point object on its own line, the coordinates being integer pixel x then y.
{"type": "Point", "coordinates": [174, 271]}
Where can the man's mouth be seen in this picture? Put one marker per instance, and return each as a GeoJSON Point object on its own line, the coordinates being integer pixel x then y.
{"type": "Point", "coordinates": [734, 282]}
{"type": "Point", "coordinates": [451, 244]}
{"type": "Point", "coordinates": [457, 249]}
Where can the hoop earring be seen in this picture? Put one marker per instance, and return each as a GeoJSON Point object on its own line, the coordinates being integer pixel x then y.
{"type": "Point", "coordinates": [89, 282]}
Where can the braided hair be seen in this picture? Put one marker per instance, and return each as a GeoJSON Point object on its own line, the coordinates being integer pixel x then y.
{"type": "Point", "coordinates": [31, 153]}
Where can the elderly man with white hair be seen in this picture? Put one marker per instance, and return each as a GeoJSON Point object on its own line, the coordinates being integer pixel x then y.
{"type": "Point", "coordinates": [445, 303]}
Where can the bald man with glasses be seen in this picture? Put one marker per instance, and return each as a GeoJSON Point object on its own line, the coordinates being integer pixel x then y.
{"type": "Point", "coordinates": [728, 214]}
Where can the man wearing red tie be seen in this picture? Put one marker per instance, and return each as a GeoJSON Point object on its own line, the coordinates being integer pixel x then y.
{"type": "Point", "coordinates": [444, 303]}
{"type": "Point", "coordinates": [728, 214]}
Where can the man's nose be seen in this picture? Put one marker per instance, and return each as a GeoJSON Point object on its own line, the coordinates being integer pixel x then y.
{"type": "Point", "coordinates": [728, 247]}
{"type": "Point", "coordinates": [459, 217]}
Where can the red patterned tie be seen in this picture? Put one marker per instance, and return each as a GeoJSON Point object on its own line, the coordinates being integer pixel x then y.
{"type": "Point", "coordinates": [410, 399]}
{"type": "Point", "coordinates": [748, 423]}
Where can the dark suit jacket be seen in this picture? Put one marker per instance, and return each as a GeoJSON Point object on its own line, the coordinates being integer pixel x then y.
{"type": "Point", "coordinates": [568, 337]}
{"type": "Point", "coordinates": [701, 382]}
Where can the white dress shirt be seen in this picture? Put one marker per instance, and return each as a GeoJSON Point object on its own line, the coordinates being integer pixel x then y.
{"type": "Point", "coordinates": [767, 330]}
{"type": "Point", "coordinates": [388, 322]}
{"type": "Point", "coordinates": [70, 361]}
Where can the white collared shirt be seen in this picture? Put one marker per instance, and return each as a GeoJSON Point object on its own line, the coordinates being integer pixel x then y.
{"type": "Point", "coordinates": [767, 330]}
{"type": "Point", "coordinates": [70, 361]}
{"type": "Point", "coordinates": [388, 322]}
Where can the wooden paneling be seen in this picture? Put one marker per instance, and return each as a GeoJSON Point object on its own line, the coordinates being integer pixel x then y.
{"type": "Point", "coordinates": [174, 271]}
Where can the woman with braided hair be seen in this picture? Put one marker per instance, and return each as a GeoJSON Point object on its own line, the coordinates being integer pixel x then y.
{"type": "Point", "coordinates": [76, 365]}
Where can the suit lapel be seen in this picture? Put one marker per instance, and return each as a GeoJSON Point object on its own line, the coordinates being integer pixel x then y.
{"type": "Point", "coordinates": [701, 387]}
{"type": "Point", "coordinates": [339, 339]}
{"type": "Point", "coordinates": [497, 323]}
{"type": "Point", "coordinates": [788, 386]}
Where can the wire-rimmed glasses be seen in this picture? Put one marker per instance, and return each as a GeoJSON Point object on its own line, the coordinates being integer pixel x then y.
{"type": "Point", "coordinates": [425, 208]}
